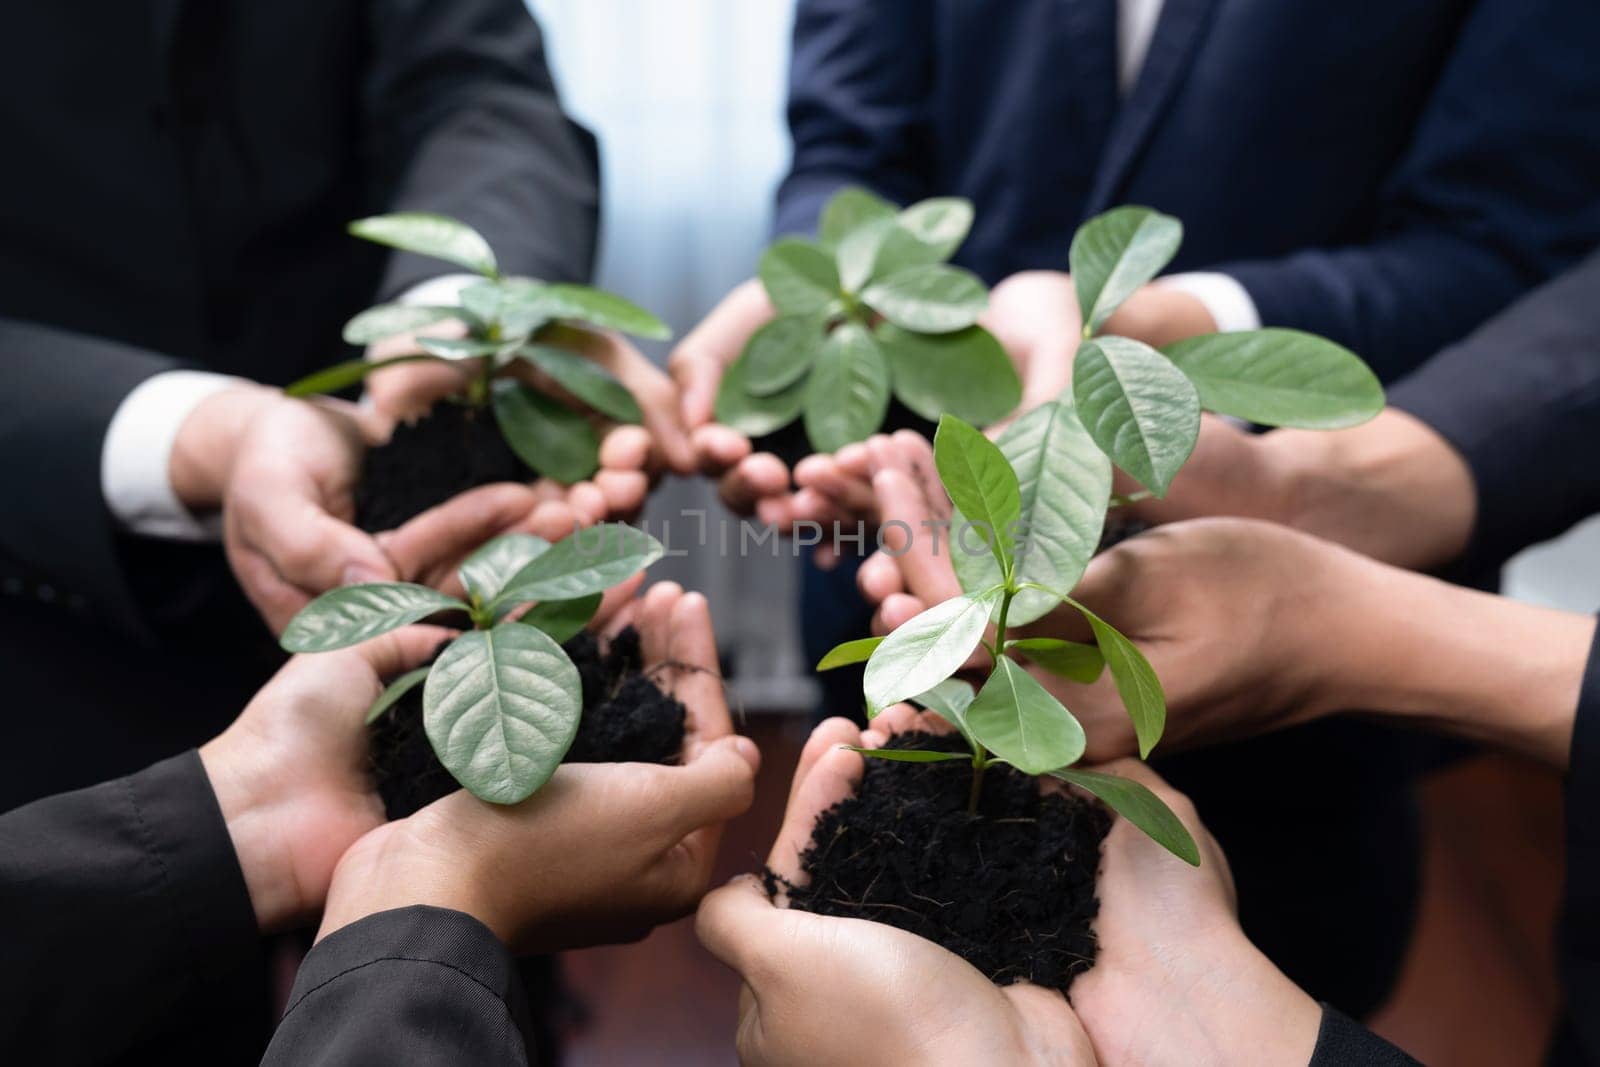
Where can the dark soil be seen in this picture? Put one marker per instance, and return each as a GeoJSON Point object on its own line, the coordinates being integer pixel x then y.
{"type": "Point", "coordinates": [1011, 890]}
{"type": "Point", "coordinates": [1118, 530]}
{"type": "Point", "coordinates": [453, 448]}
{"type": "Point", "coordinates": [790, 444]}
{"type": "Point", "coordinates": [627, 718]}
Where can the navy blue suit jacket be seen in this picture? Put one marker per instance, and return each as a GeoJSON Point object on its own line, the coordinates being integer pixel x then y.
{"type": "Point", "coordinates": [1388, 175]}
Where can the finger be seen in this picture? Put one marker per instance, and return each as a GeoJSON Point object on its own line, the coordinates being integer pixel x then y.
{"type": "Point", "coordinates": [902, 718]}
{"type": "Point", "coordinates": [698, 681]}
{"type": "Point", "coordinates": [654, 614]}
{"type": "Point", "coordinates": [442, 535]}
{"type": "Point", "coordinates": [826, 736]}
{"type": "Point", "coordinates": [552, 521]}
{"type": "Point", "coordinates": [624, 491]}
{"type": "Point", "coordinates": [896, 611]}
{"type": "Point", "coordinates": [409, 390]}
{"type": "Point", "coordinates": [697, 364]}
{"type": "Point", "coordinates": [923, 555]}
{"type": "Point", "coordinates": [914, 454]}
{"type": "Point", "coordinates": [718, 449]}
{"type": "Point", "coordinates": [614, 601]}
{"type": "Point", "coordinates": [626, 448]}
{"type": "Point", "coordinates": [826, 475]}
{"type": "Point", "coordinates": [714, 787]}
{"type": "Point", "coordinates": [832, 778]}
{"type": "Point", "coordinates": [658, 398]}
{"type": "Point", "coordinates": [855, 461]}
{"type": "Point", "coordinates": [808, 505]}
{"type": "Point", "coordinates": [587, 502]}
{"type": "Point", "coordinates": [879, 578]}
{"type": "Point", "coordinates": [273, 598]}
{"type": "Point", "coordinates": [777, 511]}
{"type": "Point", "coordinates": [764, 474]}
{"type": "Point", "coordinates": [399, 650]}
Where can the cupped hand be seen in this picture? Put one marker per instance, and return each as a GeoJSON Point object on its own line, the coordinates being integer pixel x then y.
{"type": "Point", "coordinates": [1175, 980]}
{"type": "Point", "coordinates": [290, 774]}
{"type": "Point", "coordinates": [819, 989]}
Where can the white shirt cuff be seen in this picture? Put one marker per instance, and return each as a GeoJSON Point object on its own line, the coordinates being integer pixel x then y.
{"type": "Point", "coordinates": [443, 291]}
{"type": "Point", "coordinates": [134, 461]}
{"type": "Point", "coordinates": [1228, 302]}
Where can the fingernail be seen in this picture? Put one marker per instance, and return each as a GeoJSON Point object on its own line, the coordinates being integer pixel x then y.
{"type": "Point", "coordinates": [748, 750]}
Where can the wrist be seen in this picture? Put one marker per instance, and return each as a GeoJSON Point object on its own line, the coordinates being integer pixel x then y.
{"type": "Point", "coordinates": [207, 442]}
{"type": "Point", "coordinates": [1390, 488]}
{"type": "Point", "coordinates": [1254, 1013]}
{"type": "Point", "coordinates": [258, 843]}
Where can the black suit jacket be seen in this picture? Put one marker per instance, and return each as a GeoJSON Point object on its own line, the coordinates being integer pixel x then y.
{"type": "Point", "coordinates": [129, 938]}
{"type": "Point", "coordinates": [189, 170]}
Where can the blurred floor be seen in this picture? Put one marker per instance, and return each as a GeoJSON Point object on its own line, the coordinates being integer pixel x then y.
{"type": "Point", "coordinates": [1478, 986]}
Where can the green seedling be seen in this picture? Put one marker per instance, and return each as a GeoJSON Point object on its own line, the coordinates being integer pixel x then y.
{"type": "Point", "coordinates": [501, 703]}
{"type": "Point", "coordinates": [508, 319]}
{"type": "Point", "coordinates": [868, 310]}
{"type": "Point", "coordinates": [1029, 510]}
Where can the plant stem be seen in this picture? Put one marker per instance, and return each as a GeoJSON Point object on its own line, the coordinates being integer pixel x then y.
{"type": "Point", "coordinates": [478, 386]}
{"type": "Point", "coordinates": [1118, 500]}
{"type": "Point", "coordinates": [980, 763]}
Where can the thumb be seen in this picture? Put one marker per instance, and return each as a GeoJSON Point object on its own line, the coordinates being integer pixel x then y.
{"type": "Point", "coordinates": [712, 788]}
{"type": "Point", "coordinates": [316, 552]}
{"type": "Point", "coordinates": [910, 536]}
{"type": "Point", "coordinates": [736, 925]}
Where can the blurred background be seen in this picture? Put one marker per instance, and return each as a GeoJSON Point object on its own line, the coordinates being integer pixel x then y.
{"type": "Point", "coordinates": [687, 100]}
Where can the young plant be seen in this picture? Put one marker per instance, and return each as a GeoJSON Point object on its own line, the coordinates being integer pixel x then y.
{"type": "Point", "coordinates": [501, 703]}
{"type": "Point", "coordinates": [507, 319]}
{"type": "Point", "coordinates": [1030, 508]}
{"type": "Point", "coordinates": [868, 310]}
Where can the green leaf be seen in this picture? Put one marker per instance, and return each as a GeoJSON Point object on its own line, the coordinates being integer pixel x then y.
{"type": "Point", "coordinates": [563, 619]}
{"type": "Point", "coordinates": [1280, 378]}
{"type": "Point", "coordinates": [1067, 659]}
{"type": "Point", "coordinates": [355, 613]}
{"type": "Point", "coordinates": [591, 560]}
{"type": "Point", "coordinates": [856, 258]}
{"type": "Point", "coordinates": [1065, 484]}
{"type": "Point", "coordinates": [755, 416]}
{"type": "Point", "coordinates": [849, 209]}
{"type": "Point", "coordinates": [430, 235]}
{"type": "Point", "coordinates": [930, 299]}
{"type": "Point", "coordinates": [939, 224]}
{"type": "Point", "coordinates": [454, 348]}
{"type": "Point", "coordinates": [586, 380]}
{"type": "Point", "coordinates": [343, 375]}
{"type": "Point", "coordinates": [1114, 254]}
{"type": "Point", "coordinates": [1138, 407]}
{"type": "Point", "coordinates": [928, 648]}
{"type": "Point", "coordinates": [394, 691]}
{"type": "Point", "coordinates": [782, 352]}
{"type": "Point", "coordinates": [981, 484]}
{"type": "Point", "coordinates": [1136, 681]}
{"type": "Point", "coordinates": [799, 276]}
{"type": "Point", "coordinates": [548, 436]}
{"type": "Point", "coordinates": [950, 700]}
{"type": "Point", "coordinates": [597, 307]}
{"type": "Point", "coordinates": [843, 655]}
{"type": "Point", "coordinates": [966, 373]}
{"type": "Point", "coordinates": [847, 393]}
{"type": "Point", "coordinates": [910, 755]}
{"type": "Point", "coordinates": [484, 300]}
{"type": "Point", "coordinates": [501, 708]}
{"type": "Point", "coordinates": [1018, 720]}
{"type": "Point", "coordinates": [387, 320]}
{"type": "Point", "coordinates": [1139, 806]}
{"type": "Point", "coordinates": [485, 573]}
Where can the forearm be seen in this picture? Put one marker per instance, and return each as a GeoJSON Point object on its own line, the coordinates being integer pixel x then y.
{"type": "Point", "coordinates": [1455, 660]}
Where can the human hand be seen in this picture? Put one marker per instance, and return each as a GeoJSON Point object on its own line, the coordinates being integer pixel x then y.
{"type": "Point", "coordinates": [819, 989]}
{"type": "Point", "coordinates": [1175, 980]}
{"type": "Point", "coordinates": [290, 773]}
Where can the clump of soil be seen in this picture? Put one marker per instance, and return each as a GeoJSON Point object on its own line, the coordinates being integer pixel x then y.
{"type": "Point", "coordinates": [1010, 890]}
{"type": "Point", "coordinates": [453, 448]}
{"type": "Point", "coordinates": [627, 718]}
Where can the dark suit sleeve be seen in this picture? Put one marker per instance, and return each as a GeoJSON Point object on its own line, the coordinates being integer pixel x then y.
{"type": "Point", "coordinates": [124, 916]}
{"type": "Point", "coordinates": [58, 393]}
{"type": "Point", "coordinates": [859, 83]}
{"type": "Point", "coordinates": [416, 985]}
{"type": "Point", "coordinates": [1578, 1035]}
{"type": "Point", "coordinates": [462, 114]}
{"type": "Point", "coordinates": [1520, 400]}
{"type": "Point", "coordinates": [1342, 1042]}
{"type": "Point", "coordinates": [1495, 194]}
